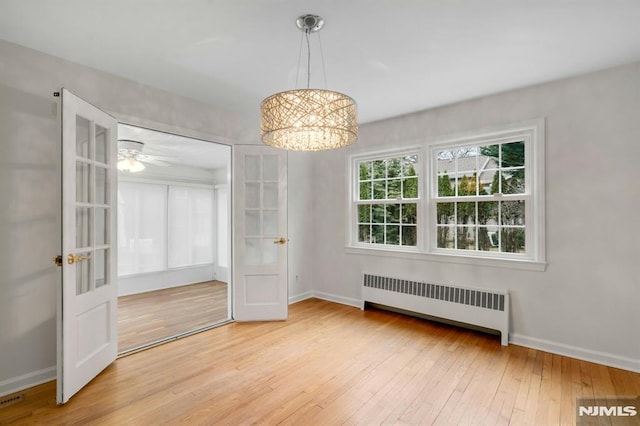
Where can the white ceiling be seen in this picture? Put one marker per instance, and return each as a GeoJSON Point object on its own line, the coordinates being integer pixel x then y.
{"type": "Point", "coordinates": [392, 56]}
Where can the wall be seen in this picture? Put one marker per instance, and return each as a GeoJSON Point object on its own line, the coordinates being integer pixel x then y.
{"type": "Point", "coordinates": [586, 302]}
{"type": "Point", "coordinates": [30, 184]}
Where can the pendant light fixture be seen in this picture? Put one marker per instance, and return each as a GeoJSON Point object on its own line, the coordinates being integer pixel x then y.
{"type": "Point", "coordinates": [308, 119]}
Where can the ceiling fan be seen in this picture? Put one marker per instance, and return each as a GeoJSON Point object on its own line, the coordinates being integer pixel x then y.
{"type": "Point", "coordinates": [130, 157]}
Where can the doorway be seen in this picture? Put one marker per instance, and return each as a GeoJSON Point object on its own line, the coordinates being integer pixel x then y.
{"type": "Point", "coordinates": [173, 236]}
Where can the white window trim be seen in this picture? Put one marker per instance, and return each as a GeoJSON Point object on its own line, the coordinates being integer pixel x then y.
{"type": "Point", "coordinates": [534, 260]}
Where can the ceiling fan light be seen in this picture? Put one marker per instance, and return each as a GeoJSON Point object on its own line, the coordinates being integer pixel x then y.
{"type": "Point", "coordinates": [124, 164]}
{"type": "Point", "coordinates": [136, 166]}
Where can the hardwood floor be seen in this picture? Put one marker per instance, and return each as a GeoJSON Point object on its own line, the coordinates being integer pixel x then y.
{"type": "Point", "coordinates": [147, 317]}
{"type": "Point", "coordinates": [331, 364]}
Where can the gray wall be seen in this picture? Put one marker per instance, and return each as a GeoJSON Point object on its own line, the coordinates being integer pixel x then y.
{"type": "Point", "coordinates": [30, 190]}
{"type": "Point", "coordinates": [586, 303]}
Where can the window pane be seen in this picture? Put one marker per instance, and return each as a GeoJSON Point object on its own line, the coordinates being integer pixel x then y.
{"type": "Point", "coordinates": [394, 186]}
{"type": "Point", "coordinates": [101, 144]}
{"type": "Point", "coordinates": [445, 213]}
{"type": "Point", "coordinates": [377, 211]}
{"type": "Point", "coordinates": [100, 220]}
{"type": "Point", "coordinates": [82, 182]}
{"type": "Point", "coordinates": [364, 213]}
{"type": "Point", "coordinates": [512, 240]}
{"type": "Point", "coordinates": [379, 169]}
{"type": "Point", "coordinates": [365, 190]}
{"type": "Point", "coordinates": [101, 191]}
{"type": "Point", "coordinates": [409, 236]}
{"type": "Point", "coordinates": [100, 263]}
{"type": "Point", "coordinates": [467, 184]}
{"type": "Point", "coordinates": [446, 186]}
{"type": "Point", "coordinates": [82, 137]}
{"type": "Point", "coordinates": [490, 152]}
{"type": "Point", "coordinates": [487, 240]}
{"type": "Point", "coordinates": [393, 234]}
{"type": "Point", "coordinates": [252, 222]}
{"type": "Point", "coordinates": [512, 154]}
{"type": "Point", "coordinates": [252, 195]}
{"type": "Point", "coordinates": [270, 223]}
{"type": "Point", "coordinates": [409, 164]}
{"type": "Point", "coordinates": [83, 227]}
{"type": "Point", "coordinates": [410, 188]}
{"type": "Point", "coordinates": [393, 168]}
{"type": "Point", "coordinates": [445, 236]}
{"type": "Point", "coordinates": [409, 214]}
{"type": "Point", "coordinates": [270, 168]}
{"type": "Point", "coordinates": [512, 212]}
{"type": "Point", "coordinates": [489, 182]}
{"type": "Point", "coordinates": [379, 190]}
{"type": "Point", "coordinates": [252, 167]}
{"type": "Point", "coordinates": [365, 170]}
{"type": "Point", "coordinates": [270, 195]}
{"type": "Point", "coordinates": [377, 234]}
{"type": "Point", "coordinates": [393, 213]}
{"type": "Point", "coordinates": [466, 238]}
{"type": "Point", "coordinates": [513, 181]}
{"type": "Point", "coordinates": [466, 213]}
{"type": "Point", "coordinates": [488, 212]}
{"type": "Point", "coordinates": [364, 233]}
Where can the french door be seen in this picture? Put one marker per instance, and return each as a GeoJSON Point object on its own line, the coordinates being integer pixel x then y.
{"type": "Point", "coordinates": [87, 303]}
{"type": "Point", "coordinates": [260, 233]}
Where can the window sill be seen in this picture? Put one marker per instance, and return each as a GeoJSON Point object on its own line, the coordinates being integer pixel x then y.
{"type": "Point", "coordinates": [527, 265]}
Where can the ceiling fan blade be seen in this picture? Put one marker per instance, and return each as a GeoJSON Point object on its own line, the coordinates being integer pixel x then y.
{"type": "Point", "coordinates": [154, 162]}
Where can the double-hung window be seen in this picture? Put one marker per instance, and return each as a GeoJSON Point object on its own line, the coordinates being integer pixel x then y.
{"type": "Point", "coordinates": [477, 198]}
{"type": "Point", "coordinates": [387, 200]}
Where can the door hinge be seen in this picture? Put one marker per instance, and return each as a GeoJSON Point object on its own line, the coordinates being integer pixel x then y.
{"type": "Point", "coordinates": [57, 260]}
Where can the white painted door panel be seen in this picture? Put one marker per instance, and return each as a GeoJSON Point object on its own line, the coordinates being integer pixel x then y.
{"type": "Point", "coordinates": [87, 331]}
{"type": "Point", "coordinates": [260, 233]}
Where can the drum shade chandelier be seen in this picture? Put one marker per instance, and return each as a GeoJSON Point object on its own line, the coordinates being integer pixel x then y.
{"type": "Point", "coordinates": [308, 119]}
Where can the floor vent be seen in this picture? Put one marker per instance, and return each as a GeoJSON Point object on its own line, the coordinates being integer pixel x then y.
{"type": "Point", "coordinates": [482, 307]}
{"type": "Point", "coordinates": [11, 399]}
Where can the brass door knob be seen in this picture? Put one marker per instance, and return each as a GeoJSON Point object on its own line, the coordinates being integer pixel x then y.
{"type": "Point", "coordinates": [73, 258]}
{"type": "Point", "coordinates": [282, 240]}
{"type": "Point", "coordinates": [57, 260]}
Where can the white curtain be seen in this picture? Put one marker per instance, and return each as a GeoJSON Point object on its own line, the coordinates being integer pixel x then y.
{"type": "Point", "coordinates": [142, 236]}
{"type": "Point", "coordinates": [191, 223]}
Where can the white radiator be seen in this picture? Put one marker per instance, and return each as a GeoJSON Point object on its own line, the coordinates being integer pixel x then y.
{"type": "Point", "coordinates": [480, 307]}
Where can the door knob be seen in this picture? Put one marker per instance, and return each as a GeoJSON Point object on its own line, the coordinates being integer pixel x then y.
{"type": "Point", "coordinates": [73, 258]}
{"type": "Point", "coordinates": [282, 240]}
{"type": "Point", "coordinates": [57, 260]}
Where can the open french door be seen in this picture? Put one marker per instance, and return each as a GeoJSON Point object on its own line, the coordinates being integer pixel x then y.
{"type": "Point", "coordinates": [87, 307]}
{"type": "Point", "coordinates": [260, 233]}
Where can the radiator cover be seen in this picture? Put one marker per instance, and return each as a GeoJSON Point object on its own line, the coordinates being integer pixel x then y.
{"type": "Point", "coordinates": [481, 307]}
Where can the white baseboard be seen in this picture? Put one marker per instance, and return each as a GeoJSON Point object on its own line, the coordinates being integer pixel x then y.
{"type": "Point", "coordinates": [16, 384]}
{"type": "Point", "coordinates": [338, 299]}
{"type": "Point", "coordinates": [603, 358]}
{"type": "Point", "coordinates": [300, 297]}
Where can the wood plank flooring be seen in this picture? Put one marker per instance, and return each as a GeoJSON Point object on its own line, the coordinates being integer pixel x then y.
{"type": "Point", "coordinates": [331, 364]}
{"type": "Point", "coordinates": [147, 317]}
